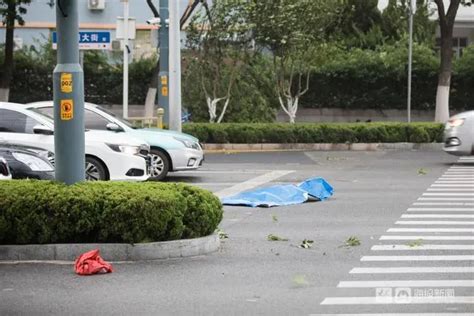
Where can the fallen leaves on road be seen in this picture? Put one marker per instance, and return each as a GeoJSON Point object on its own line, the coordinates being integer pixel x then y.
{"type": "Point", "coordinates": [352, 241]}
{"type": "Point", "coordinates": [300, 280]}
{"type": "Point", "coordinates": [422, 172]}
{"type": "Point", "coordinates": [222, 234]}
{"type": "Point", "coordinates": [306, 244]}
{"type": "Point", "coordinates": [416, 243]}
{"type": "Point", "coordinates": [272, 237]}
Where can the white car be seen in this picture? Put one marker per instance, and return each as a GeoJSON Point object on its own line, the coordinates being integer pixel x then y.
{"type": "Point", "coordinates": [109, 156]}
{"type": "Point", "coordinates": [170, 150]}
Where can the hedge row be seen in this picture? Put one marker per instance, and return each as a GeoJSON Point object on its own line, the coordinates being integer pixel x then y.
{"type": "Point", "coordinates": [42, 212]}
{"type": "Point", "coordinates": [316, 133]}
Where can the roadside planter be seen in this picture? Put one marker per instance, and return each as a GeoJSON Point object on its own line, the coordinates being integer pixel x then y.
{"type": "Point", "coordinates": [43, 220]}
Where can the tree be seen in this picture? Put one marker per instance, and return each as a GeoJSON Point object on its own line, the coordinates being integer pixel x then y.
{"type": "Point", "coordinates": [11, 12]}
{"type": "Point", "coordinates": [292, 30]}
{"type": "Point", "coordinates": [446, 26]}
{"type": "Point", "coordinates": [219, 40]}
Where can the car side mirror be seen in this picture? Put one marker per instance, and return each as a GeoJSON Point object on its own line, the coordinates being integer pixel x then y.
{"type": "Point", "coordinates": [113, 127]}
{"type": "Point", "coordinates": [42, 130]}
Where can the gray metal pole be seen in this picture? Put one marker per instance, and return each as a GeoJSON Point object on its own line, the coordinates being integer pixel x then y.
{"type": "Point", "coordinates": [410, 61]}
{"type": "Point", "coordinates": [175, 67]}
{"type": "Point", "coordinates": [164, 40]}
{"type": "Point", "coordinates": [68, 83]}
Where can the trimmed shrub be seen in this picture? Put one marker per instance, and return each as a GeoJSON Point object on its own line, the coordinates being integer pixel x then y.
{"type": "Point", "coordinates": [41, 212]}
{"type": "Point", "coordinates": [316, 133]}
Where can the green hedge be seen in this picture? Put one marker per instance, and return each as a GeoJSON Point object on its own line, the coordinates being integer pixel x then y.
{"type": "Point", "coordinates": [316, 133]}
{"type": "Point", "coordinates": [42, 212]}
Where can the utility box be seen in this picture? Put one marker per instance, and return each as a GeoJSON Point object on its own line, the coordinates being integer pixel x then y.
{"type": "Point", "coordinates": [96, 4]}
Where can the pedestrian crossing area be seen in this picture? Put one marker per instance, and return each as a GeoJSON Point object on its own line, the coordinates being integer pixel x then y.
{"type": "Point", "coordinates": [424, 264]}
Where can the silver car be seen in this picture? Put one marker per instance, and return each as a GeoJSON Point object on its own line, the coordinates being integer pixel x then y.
{"type": "Point", "coordinates": [459, 134]}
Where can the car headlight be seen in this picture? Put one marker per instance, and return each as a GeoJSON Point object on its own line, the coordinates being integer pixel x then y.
{"type": "Point", "coordinates": [188, 143]}
{"type": "Point", "coordinates": [456, 122]}
{"type": "Point", "coordinates": [35, 163]}
{"type": "Point", "coordinates": [126, 149]}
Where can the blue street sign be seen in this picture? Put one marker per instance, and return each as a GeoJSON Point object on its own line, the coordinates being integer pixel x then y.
{"type": "Point", "coordinates": [89, 40]}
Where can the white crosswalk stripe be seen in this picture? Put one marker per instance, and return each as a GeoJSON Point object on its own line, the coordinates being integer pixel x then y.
{"type": "Point", "coordinates": [416, 247]}
{"type": "Point", "coordinates": [423, 253]}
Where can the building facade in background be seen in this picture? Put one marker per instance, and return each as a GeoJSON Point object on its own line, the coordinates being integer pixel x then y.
{"type": "Point", "coordinates": [94, 15]}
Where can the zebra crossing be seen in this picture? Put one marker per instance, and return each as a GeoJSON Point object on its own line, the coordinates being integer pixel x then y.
{"type": "Point", "coordinates": [424, 265]}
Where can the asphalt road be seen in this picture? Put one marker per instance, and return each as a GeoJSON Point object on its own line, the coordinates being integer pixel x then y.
{"type": "Point", "coordinates": [251, 275]}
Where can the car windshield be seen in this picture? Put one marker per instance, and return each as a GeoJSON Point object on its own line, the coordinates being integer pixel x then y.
{"type": "Point", "coordinates": [127, 123]}
{"type": "Point", "coordinates": [44, 115]}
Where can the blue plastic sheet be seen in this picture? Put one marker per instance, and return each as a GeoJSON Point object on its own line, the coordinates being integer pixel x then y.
{"type": "Point", "coordinates": [280, 195]}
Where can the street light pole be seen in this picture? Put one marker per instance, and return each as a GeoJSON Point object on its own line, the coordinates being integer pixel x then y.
{"type": "Point", "coordinates": [125, 57]}
{"type": "Point", "coordinates": [68, 85]}
{"type": "Point", "coordinates": [175, 67]}
{"type": "Point", "coordinates": [411, 12]}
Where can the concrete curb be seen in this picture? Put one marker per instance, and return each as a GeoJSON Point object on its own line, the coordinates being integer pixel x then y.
{"type": "Point", "coordinates": [209, 148]}
{"type": "Point", "coordinates": [113, 252]}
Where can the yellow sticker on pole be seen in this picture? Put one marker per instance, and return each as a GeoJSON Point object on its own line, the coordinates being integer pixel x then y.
{"type": "Point", "coordinates": [66, 82]}
{"type": "Point", "coordinates": [164, 80]}
{"type": "Point", "coordinates": [67, 110]}
{"type": "Point", "coordinates": [164, 91]}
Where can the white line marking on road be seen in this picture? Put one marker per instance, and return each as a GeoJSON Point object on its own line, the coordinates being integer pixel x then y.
{"type": "Point", "coordinates": [449, 176]}
{"type": "Point", "coordinates": [398, 314]}
{"type": "Point", "coordinates": [247, 171]}
{"type": "Point", "coordinates": [454, 182]}
{"type": "Point", "coordinates": [451, 185]}
{"type": "Point", "coordinates": [441, 209]}
{"type": "Point", "coordinates": [383, 301]}
{"type": "Point", "coordinates": [444, 199]}
{"type": "Point", "coordinates": [421, 247]}
{"type": "Point", "coordinates": [444, 203]}
{"type": "Point", "coordinates": [434, 223]}
{"type": "Point", "coordinates": [449, 189]}
{"type": "Point", "coordinates": [388, 237]}
{"type": "Point", "coordinates": [406, 283]}
{"type": "Point", "coordinates": [469, 216]}
{"type": "Point", "coordinates": [252, 183]}
{"type": "Point", "coordinates": [417, 258]}
{"type": "Point", "coordinates": [430, 230]}
{"type": "Point", "coordinates": [448, 194]}
{"type": "Point", "coordinates": [395, 270]}
{"type": "Point", "coordinates": [456, 179]}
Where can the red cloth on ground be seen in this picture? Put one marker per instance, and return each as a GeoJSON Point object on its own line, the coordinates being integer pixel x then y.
{"type": "Point", "coordinates": [91, 263]}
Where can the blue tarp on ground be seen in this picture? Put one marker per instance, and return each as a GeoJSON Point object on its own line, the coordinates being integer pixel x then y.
{"type": "Point", "coordinates": [280, 195]}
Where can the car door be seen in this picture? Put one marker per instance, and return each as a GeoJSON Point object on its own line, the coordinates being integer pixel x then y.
{"type": "Point", "coordinates": [17, 128]}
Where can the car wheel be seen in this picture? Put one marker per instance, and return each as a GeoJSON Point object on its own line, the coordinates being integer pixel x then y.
{"type": "Point", "coordinates": [159, 165]}
{"type": "Point", "coordinates": [95, 170]}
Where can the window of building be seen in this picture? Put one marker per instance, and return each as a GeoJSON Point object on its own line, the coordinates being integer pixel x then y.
{"type": "Point", "coordinates": [459, 43]}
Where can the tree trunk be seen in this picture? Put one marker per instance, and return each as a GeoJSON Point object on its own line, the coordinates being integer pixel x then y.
{"type": "Point", "coordinates": [7, 67]}
{"type": "Point", "coordinates": [444, 79]}
{"type": "Point", "coordinates": [153, 87]}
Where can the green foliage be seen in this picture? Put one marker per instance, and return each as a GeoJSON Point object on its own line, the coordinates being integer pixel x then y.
{"type": "Point", "coordinates": [364, 26]}
{"type": "Point", "coordinates": [47, 212]}
{"type": "Point", "coordinates": [316, 133]}
{"type": "Point", "coordinates": [377, 79]}
{"type": "Point", "coordinates": [252, 96]}
{"type": "Point", "coordinates": [15, 12]}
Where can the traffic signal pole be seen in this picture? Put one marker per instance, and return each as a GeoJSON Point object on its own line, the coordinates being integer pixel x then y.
{"type": "Point", "coordinates": [68, 83]}
{"type": "Point", "coordinates": [164, 42]}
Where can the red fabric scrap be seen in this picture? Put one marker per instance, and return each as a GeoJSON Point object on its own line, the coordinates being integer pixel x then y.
{"type": "Point", "coordinates": [91, 263]}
